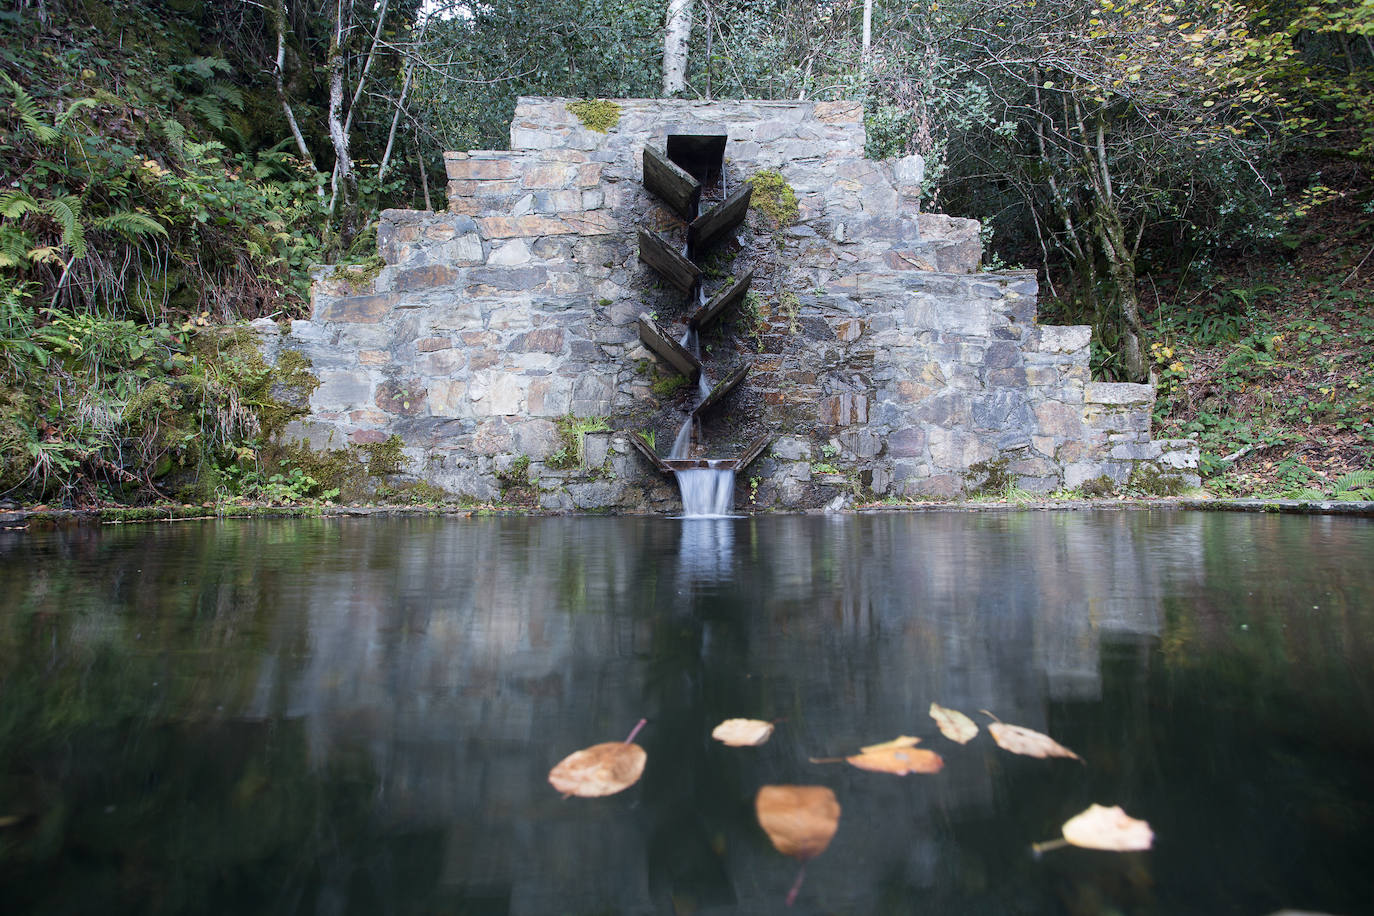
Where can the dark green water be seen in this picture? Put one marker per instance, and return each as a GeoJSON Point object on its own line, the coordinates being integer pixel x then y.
{"type": "Point", "coordinates": [358, 716]}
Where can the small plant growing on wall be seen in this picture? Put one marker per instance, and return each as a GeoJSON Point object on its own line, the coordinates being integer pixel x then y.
{"type": "Point", "coordinates": [570, 432]}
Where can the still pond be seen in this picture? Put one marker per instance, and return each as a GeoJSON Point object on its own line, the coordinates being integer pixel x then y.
{"type": "Point", "coordinates": [358, 716]}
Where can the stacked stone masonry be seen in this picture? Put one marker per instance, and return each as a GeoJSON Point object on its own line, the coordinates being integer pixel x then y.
{"type": "Point", "coordinates": [882, 362]}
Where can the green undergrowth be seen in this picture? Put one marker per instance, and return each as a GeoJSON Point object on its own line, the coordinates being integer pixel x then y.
{"type": "Point", "coordinates": [1273, 373]}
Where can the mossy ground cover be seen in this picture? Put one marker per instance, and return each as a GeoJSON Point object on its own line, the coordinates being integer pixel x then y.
{"type": "Point", "coordinates": [1273, 367]}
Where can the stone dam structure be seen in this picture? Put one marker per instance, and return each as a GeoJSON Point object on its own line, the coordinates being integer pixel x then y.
{"type": "Point", "coordinates": [512, 345]}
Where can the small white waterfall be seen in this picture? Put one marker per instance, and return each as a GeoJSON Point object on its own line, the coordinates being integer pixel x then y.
{"type": "Point", "coordinates": [707, 492]}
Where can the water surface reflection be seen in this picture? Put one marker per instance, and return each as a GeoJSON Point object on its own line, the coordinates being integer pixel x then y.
{"type": "Point", "coordinates": [356, 716]}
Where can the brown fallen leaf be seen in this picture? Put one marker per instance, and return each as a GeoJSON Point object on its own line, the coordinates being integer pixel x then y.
{"type": "Point", "coordinates": [1108, 828]}
{"type": "Point", "coordinates": [899, 741]}
{"type": "Point", "coordinates": [898, 761]}
{"type": "Point", "coordinates": [800, 820]}
{"type": "Point", "coordinates": [953, 724]}
{"type": "Point", "coordinates": [602, 769]}
{"type": "Point", "coordinates": [1021, 740]}
{"type": "Point", "coordinates": [742, 732]}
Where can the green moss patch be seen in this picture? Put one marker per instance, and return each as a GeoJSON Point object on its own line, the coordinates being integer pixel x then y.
{"type": "Point", "coordinates": [774, 197]}
{"type": "Point", "coordinates": [599, 115]}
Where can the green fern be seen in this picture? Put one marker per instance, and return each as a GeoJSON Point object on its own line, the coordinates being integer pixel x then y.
{"type": "Point", "coordinates": [131, 225]}
{"type": "Point", "coordinates": [1357, 485]}
{"type": "Point", "coordinates": [14, 204]}
{"type": "Point", "coordinates": [66, 210]}
{"type": "Point", "coordinates": [28, 111]}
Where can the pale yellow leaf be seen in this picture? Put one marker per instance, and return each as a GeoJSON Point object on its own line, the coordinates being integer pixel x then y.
{"type": "Point", "coordinates": [953, 724]}
{"type": "Point", "coordinates": [899, 741]}
{"type": "Point", "coordinates": [898, 761]}
{"type": "Point", "coordinates": [1108, 828]}
{"type": "Point", "coordinates": [743, 732]}
{"type": "Point", "coordinates": [1021, 740]}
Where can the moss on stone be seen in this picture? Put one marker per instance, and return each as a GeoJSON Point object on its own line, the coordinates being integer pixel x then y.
{"type": "Point", "coordinates": [774, 197]}
{"type": "Point", "coordinates": [988, 478]}
{"type": "Point", "coordinates": [383, 458]}
{"type": "Point", "coordinates": [665, 386]}
{"type": "Point", "coordinates": [1102, 485]}
{"type": "Point", "coordinates": [599, 115]}
{"type": "Point", "coordinates": [1148, 480]}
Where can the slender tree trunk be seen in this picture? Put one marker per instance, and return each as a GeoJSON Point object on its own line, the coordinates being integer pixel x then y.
{"type": "Point", "coordinates": [338, 135]}
{"type": "Point", "coordinates": [675, 36]}
{"type": "Point", "coordinates": [868, 31]}
{"type": "Point", "coordinates": [280, 17]}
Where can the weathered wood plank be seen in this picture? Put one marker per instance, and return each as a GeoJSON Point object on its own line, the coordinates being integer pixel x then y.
{"type": "Point", "coordinates": [727, 298]}
{"type": "Point", "coordinates": [665, 178]}
{"type": "Point", "coordinates": [643, 448]}
{"type": "Point", "coordinates": [719, 392]}
{"type": "Point", "coordinates": [669, 350]}
{"type": "Point", "coordinates": [722, 219]}
{"type": "Point", "coordinates": [753, 450]}
{"type": "Point", "coordinates": [666, 259]}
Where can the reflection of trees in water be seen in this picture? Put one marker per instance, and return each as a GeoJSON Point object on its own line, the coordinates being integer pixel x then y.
{"type": "Point", "coordinates": [381, 701]}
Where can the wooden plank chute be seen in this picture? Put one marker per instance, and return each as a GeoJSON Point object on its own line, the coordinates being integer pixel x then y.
{"type": "Point", "coordinates": [726, 299]}
{"type": "Point", "coordinates": [670, 182]}
{"type": "Point", "coordinates": [668, 261]}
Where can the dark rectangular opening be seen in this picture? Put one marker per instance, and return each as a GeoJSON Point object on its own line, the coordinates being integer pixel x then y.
{"type": "Point", "coordinates": [699, 155]}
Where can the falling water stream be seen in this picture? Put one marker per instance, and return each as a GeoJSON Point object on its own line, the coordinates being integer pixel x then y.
{"type": "Point", "coordinates": [707, 492]}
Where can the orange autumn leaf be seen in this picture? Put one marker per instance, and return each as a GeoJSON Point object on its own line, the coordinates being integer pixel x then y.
{"type": "Point", "coordinates": [602, 769]}
{"type": "Point", "coordinates": [897, 760]}
{"type": "Point", "coordinates": [953, 724]}
{"type": "Point", "coordinates": [800, 820]}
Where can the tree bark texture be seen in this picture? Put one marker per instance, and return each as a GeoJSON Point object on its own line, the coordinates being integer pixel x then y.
{"type": "Point", "coordinates": [675, 35]}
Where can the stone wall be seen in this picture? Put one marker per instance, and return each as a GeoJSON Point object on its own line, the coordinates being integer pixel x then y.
{"type": "Point", "coordinates": [880, 361]}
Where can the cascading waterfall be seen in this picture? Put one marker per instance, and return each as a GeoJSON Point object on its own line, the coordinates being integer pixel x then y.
{"type": "Point", "coordinates": [707, 492]}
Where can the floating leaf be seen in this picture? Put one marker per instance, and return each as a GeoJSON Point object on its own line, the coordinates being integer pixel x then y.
{"type": "Point", "coordinates": [1109, 828]}
{"type": "Point", "coordinates": [898, 760]}
{"type": "Point", "coordinates": [743, 732]}
{"type": "Point", "coordinates": [800, 820]}
{"type": "Point", "coordinates": [602, 769]}
{"type": "Point", "coordinates": [1021, 740]}
{"type": "Point", "coordinates": [899, 741]}
{"type": "Point", "coordinates": [953, 724]}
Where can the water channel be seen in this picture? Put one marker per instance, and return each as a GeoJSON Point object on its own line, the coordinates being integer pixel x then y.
{"type": "Point", "coordinates": [358, 715]}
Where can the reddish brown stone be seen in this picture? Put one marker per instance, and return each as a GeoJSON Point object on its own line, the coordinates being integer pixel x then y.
{"type": "Point", "coordinates": [404, 398]}
{"type": "Point", "coordinates": [356, 309]}
{"type": "Point", "coordinates": [431, 344]}
{"type": "Point", "coordinates": [423, 278]}
{"type": "Point", "coordinates": [545, 340]}
{"type": "Point", "coordinates": [367, 436]}
{"type": "Point", "coordinates": [459, 169]}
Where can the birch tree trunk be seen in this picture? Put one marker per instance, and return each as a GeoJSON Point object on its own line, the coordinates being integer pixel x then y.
{"type": "Point", "coordinates": [675, 35]}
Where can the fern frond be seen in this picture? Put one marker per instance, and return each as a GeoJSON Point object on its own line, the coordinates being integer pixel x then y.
{"type": "Point", "coordinates": [210, 109]}
{"type": "Point", "coordinates": [131, 225]}
{"type": "Point", "coordinates": [28, 112]}
{"type": "Point", "coordinates": [75, 107]}
{"type": "Point", "coordinates": [1356, 480]}
{"type": "Point", "coordinates": [14, 204]}
{"type": "Point", "coordinates": [66, 210]}
{"type": "Point", "coordinates": [175, 132]}
{"type": "Point", "coordinates": [227, 93]}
